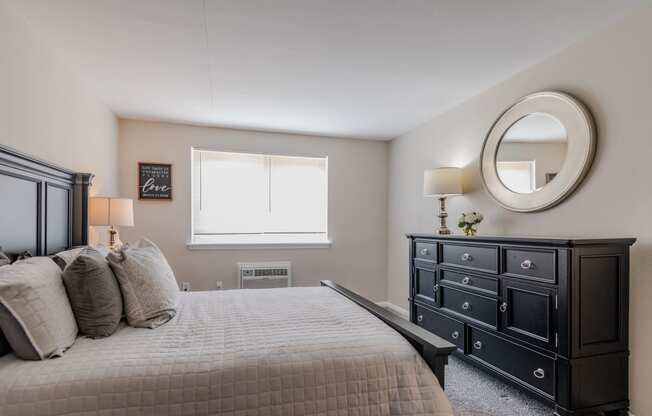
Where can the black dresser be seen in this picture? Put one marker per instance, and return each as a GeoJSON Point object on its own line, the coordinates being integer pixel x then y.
{"type": "Point", "coordinates": [547, 315]}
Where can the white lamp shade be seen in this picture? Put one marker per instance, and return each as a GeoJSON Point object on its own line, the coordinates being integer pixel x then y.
{"type": "Point", "coordinates": [442, 182]}
{"type": "Point", "coordinates": [111, 211]}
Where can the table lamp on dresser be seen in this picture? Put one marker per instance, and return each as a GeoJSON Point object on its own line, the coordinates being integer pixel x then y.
{"type": "Point", "coordinates": [442, 183]}
{"type": "Point", "coordinates": [111, 212]}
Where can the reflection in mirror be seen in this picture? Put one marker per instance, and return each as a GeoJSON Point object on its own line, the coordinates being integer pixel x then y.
{"type": "Point", "coordinates": [531, 153]}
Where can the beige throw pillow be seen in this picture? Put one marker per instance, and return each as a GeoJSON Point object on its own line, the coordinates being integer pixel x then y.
{"type": "Point", "coordinates": [38, 321]}
{"type": "Point", "coordinates": [149, 288]}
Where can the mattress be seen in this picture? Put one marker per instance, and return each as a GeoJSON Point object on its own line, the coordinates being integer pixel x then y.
{"type": "Point", "coordinates": [285, 352]}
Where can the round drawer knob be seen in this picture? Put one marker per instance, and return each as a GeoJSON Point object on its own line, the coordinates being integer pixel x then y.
{"type": "Point", "coordinates": [424, 251]}
{"type": "Point", "coordinates": [466, 305]}
{"type": "Point", "coordinates": [477, 345]}
{"type": "Point", "coordinates": [435, 288]}
{"type": "Point", "coordinates": [466, 280]}
{"type": "Point", "coordinates": [455, 335]}
{"type": "Point", "coordinates": [539, 373]}
{"type": "Point", "coordinates": [527, 264]}
{"type": "Point", "coordinates": [420, 318]}
{"type": "Point", "coordinates": [503, 307]}
{"type": "Point", "coordinates": [467, 257]}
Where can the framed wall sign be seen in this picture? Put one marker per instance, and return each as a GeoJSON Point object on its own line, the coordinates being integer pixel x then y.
{"type": "Point", "coordinates": [154, 181]}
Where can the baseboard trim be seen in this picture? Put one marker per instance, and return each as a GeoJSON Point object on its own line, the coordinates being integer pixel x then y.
{"type": "Point", "coordinates": [394, 308]}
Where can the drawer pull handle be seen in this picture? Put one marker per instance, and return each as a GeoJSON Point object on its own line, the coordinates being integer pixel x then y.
{"type": "Point", "coordinates": [477, 345]}
{"type": "Point", "coordinates": [466, 305]}
{"type": "Point", "coordinates": [527, 264]}
{"type": "Point", "coordinates": [420, 318]}
{"type": "Point", "coordinates": [467, 257]}
{"type": "Point", "coordinates": [435, 289]}
{"type": "Point", "coordinates": [466, 280]}
{"type": "Point", "coordinates": [539, 373]}
{"type": "Point", "coordinates": [503, 307]}
{"type": "Point", "coordinates": [424, 252]}
{"type": "Point", "coordinates": [455, 335]}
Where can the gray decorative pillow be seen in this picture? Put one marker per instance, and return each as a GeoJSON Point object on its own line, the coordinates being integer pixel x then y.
{"type": "Point", "coordinates": [94, 294]}
{"type": "Point", "coordinates": [149, 288]}
{"type": "Point", "coordinates": [5, 348]}
{"type": "Point", "coordinates": [17, 336]}
{"type": "Point", "coordinates": [32, 292]}
{"type": "Point", "coordinates": [64, 258]}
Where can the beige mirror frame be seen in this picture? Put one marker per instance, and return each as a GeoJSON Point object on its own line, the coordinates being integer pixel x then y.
{"type": "Point", "coordinates": [581, 132]}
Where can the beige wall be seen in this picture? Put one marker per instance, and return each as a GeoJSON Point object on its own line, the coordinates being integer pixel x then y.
{"type": "Point", "coordinates": [612, 73]}
{"type": "Point", "coordinates": [357, 205]}
{"type": "Point", "coordinates": [47, 112]}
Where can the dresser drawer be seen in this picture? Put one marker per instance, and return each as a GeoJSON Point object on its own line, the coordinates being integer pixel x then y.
{"type": "Point", "coordinates": [443, 326]}
{"type": "Point", "coordinates": [479, 308]}
{"type": "Point", "coordinates": [425, 251]}
{"type": "Point", "coordinates": [482, 258]}
{"type": "Point", "coordinates": [536, 264]}
{"type": "Point", "coordinates": [471, 282]}
{"type": "Point", "coordinates": [530, 367]}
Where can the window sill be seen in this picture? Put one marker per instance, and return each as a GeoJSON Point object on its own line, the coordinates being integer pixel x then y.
{"type": "Point", "coordinates": [249, 242]}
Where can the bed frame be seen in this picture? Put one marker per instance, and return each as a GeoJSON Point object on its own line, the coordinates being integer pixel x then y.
{"type": "Point", "coordinates": [44, 207]}
{"type": "Point", "coordinates": [44, 210]}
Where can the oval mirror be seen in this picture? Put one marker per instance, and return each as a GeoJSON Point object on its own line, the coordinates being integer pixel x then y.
{"type": "Point", "coordinates": [538, 151]}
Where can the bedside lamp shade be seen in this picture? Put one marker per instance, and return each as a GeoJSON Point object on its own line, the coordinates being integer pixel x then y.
{"type": "Point", "coordinates": [111, 211]}
{"type": "Point", "coordinates": [442, 182]}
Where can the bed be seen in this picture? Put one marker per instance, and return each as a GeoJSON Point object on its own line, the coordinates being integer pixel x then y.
{"type": "Point", "coordinates": [296, 351]}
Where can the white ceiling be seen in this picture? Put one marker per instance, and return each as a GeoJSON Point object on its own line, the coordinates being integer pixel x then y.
{"type": "Point", "coordinates": [353, 68]}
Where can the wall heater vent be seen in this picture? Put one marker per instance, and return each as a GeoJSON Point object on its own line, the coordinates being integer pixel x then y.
{"type": "Point", "coordinates": [265, 275]}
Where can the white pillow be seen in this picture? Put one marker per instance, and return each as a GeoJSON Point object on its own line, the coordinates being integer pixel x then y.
{"type": "Point", "coordinates": [149, 289]}
{"type": "Point", "coordinates": [36, 317]}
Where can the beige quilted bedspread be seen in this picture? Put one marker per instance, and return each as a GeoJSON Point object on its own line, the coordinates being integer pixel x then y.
{"type": "Point", "coordinates": [295, 351]}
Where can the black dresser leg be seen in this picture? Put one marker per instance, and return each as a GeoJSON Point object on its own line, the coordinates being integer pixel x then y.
{"type": "Point", "coordinates": [617, 413]}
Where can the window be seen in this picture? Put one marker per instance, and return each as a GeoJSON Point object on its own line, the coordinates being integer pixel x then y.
{"type": "Point", "coordinates": [519, 176]}
{"type": "Point", "coordinates": [244, 198]}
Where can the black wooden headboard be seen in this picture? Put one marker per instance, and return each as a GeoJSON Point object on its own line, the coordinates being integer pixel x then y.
{"type": "Point", "coordinates": [43, 207]}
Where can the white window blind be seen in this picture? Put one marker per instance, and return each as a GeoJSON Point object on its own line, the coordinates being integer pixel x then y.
{"type": "Point", "coordinates": [241, 193]}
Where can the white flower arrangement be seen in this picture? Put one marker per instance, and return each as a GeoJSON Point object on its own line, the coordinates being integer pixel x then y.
{"type": "Point", "coordinates": [469, 221]}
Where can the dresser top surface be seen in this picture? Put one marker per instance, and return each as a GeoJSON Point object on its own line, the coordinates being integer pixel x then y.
{"type": "Point", "coordinates": [549, 241]}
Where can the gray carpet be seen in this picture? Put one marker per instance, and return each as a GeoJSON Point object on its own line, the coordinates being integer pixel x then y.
{"type": "Point", "coordinates": [475, 393]}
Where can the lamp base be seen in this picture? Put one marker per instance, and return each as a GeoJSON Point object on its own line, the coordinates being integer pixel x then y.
{"type": "Point", "coordinates": [443, 229]}
{"type": "Point", "coordinates": [112, 236]}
